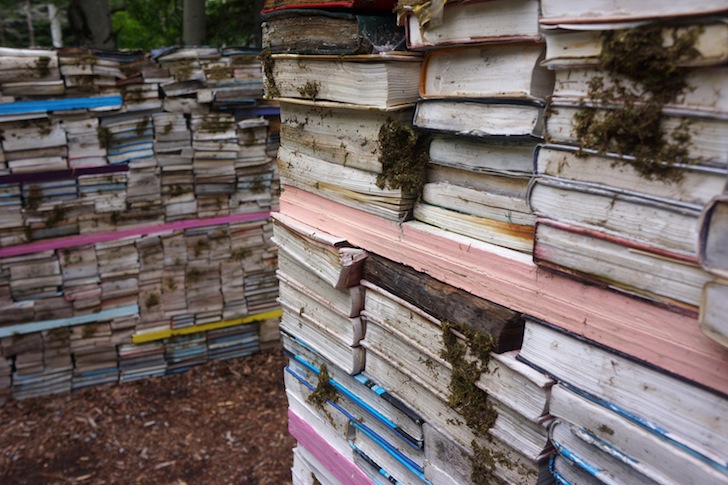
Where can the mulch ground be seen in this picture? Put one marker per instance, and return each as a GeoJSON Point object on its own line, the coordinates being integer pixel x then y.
{"type": "Point", "coordinates": [219, 423]}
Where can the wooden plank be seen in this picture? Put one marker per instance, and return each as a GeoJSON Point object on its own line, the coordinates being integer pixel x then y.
{"type": "Point", "coordinates": [666, 339]}
{"type": "Point", "coordinates": [446, 302]}
{"type": "Point", "coordinates": [141, 338]}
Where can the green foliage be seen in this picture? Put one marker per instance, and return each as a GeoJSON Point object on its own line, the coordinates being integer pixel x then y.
{"type": "Point", "coordinates": [147, 24]}
{"type": "Point", "coordinates": [233, 22]}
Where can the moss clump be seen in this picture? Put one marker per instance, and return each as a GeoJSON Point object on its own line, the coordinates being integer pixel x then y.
{"type": "Point", "coordinates": [403, 155]}
{"type": "Point", "coordinates": [56, 215]}
{"type": "Point", "coordinates": [182, 70]}
{"type": "Point", "coordinates": [194, 276]}
{"type": "Point", "coordinates": [219, 73]}
{"type": "Point", "coordinates": [171, 284]}
{"type": "Point", "coordinates": [269, 82]}
{"type": "Point", "coordinates": [242, 59]}
{"type": "Point", "coordinates": [151, 301]}
{"type": "Point", "coordinates": [214, 124]}
{"type": "Point", "coordinates": [257, 185]}
{"type": "Point", "coordinates": [105, 136]}
{"type": "Point", "coordinates": [324, 391]}
{"type": "Point", "coordinates": [32, 200]}
{"type": "Point", "coordinates": [200, 246]}
{"type": "Point", "coordinates": [468, 361]}
{"type": "Point", "coordinates": [176, 190]}
{"type": "Point", "coordinates": [310, 90]}
{"type": "Point", "coordinates": [239, 254]}
{"type": "Point", "coordinates": [167, 128]}
{"type": "Point", "coordinates": [41, 66]}
{"type": "Point", "coordinates": [89, 330]}
{"type": "Point", "coordinates": [635, 127]}
{"type": "Point", "coordinates": [141, 125]}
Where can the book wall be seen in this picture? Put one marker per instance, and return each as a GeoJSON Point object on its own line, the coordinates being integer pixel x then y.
{"type": "Point", "coordinates": [535, 316]}
{"type": "Point", "coordinates": [136, 192]}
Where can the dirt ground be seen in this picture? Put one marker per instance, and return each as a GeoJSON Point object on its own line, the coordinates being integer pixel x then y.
{"type": "Point", "coordinates": [220, 423]}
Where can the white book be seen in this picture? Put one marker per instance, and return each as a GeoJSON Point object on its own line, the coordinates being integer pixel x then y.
{"type": "Point", "coordinates": [345, 135]}
{"type": "Point", "coordinates": [582, 11]}
{"type": "Point", "coordinates": [487, 71]}
{"type": "Point", "coordinates": [713, 235]}
{"type": "Point", "coordinates": [476, 155]}
{"type": "Point", "coordinates": [480, 118]}
{"type": "Point", "coordinates": [330, 257]}
{"type": "Point", "coordinates": [673, 226]}
{"type": "Point", "coordinates": [381, 81]}
{"type": "Point", "coordinates": [713, 309]}
{"type": "Point", "coordinates": [307, 470]}
{"type": "Point", "coordinates": [683, 413]}
{"type": "Point", "coordinates": [636, 447]}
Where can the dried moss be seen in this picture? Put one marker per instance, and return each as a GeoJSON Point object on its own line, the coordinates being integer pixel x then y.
{"type": "Point", "coordinates": [269, 82]}
{"type": "Point", "coordinates": [151, 301]}
{"type": "Point", "coordinates": [635, 127]}
{"type": "Point", "coordinates": [242, 59]}
{"type": "Point", "coordinates": [257, 185]}
{"type": "Point", "coordinates": [324, 391]}
{"type": "Point", "coordinates": [41, 66]}
{"type": "Point", "coordinates": [200, 246]}
{"type": "Point", "coordinates": [194, 276]}
{"type": "Point", "coordinates": [603, 428]}
{"type": "Point", "coordinates": [219, 73]}
{"type": "Point", "coordinates": [176, 190]}
{"type": "Point", "coordinates": [482, 465]}
{"type": "Point", "coordinates": [310, 90]}
{"type": "Point", "coordinates": [56, 215]}
{"type": "Point", "coordinates": [141, 126]}
{"type": "Point", "coordinates": [167, 128]}
{"type": "Point", "coordinates": [214, 124]}
{"type": "Point", "coordinates": [403, 153]}
{"type": "Point", "coordinates": [105, 136]}
{"type": "Point", "coordinates": [35, 194]}
{"type": "Point", "coordinates": [468, 361]}
{"type": "Point", "coordinates": [89, 330]}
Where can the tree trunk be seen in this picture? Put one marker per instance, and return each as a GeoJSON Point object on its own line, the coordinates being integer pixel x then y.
{"type": "Point", "coordinates": [55, 21]}
{"type": "Point", "coordinates": [193, 29]}
{"type": "Point", "coordinates": [29, 21]}
{"type": "Point", "coordinates": [91, 23]}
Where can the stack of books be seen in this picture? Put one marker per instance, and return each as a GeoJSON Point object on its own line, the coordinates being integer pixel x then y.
{"type": "Point", "coordinates": [144, 230]}
{"type": "Point", "coordinates": [483, 94]}
{"type": "Point", "coordinates": [30, 72]}
{"type": "Point", "coordinates": [612, 379]}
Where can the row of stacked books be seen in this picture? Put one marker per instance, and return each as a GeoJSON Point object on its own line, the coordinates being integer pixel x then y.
{"type": "Point", "coordinates": [501, 240]}
{"type": "Point", "coordinates": [135, 237]}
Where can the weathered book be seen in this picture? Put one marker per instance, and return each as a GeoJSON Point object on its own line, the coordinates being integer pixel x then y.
{"type": "Point", "coordinates": [338, 134]}
{"type": "Point", "coordinates": [329, 257]}
{"type": "Point", "coordinates": [481, 118]}
{"type": "Point", "coordinates": [347, 185]}
{"type": "Point", "coordinates": [470, 22]}
{"type": "Point", "coordinates": [311, 31]}
{"type": "Point", "coordinates": [618, 213]}
{"type": "Point", "coordinates": [445, 302]}
{"type": "Point", "coordinates": [477, 155]}
{"type": "Point", "coordinates": [594, 11]}
{"type": "Point", "coordinates": [583, 48]}
{"type": "Point", "coordinates": [448, 461]}
{"type": "Point", "coordinates": [693, 184]}
{"type": "Point", "coordinates": [713, 309]}
{"type": "Point", "coordinates": [389, 80]}
{"type": "Point", "coordinates": [635, 446]}
{"type": "Point", "coordinates": [319, 339]}
{"type": "Point", "coordinates": [682, 412]}
{"type": "Point", "coordinates": [487, 71]}
{"type": "Point", "coordinates": [364, 5]}
{"type": "Point", "coordinates": [486, 206]}
{"type": "Point", "coordinates": [713, 236]}
{"type": "Point", "coordinates": [668, 278]}
{"type": "Point", "coordinates": [347, 301]}
{"type": "Point", "coordinates": [362, 391]}
{"type": "Point", "coordinates": [706, 130]}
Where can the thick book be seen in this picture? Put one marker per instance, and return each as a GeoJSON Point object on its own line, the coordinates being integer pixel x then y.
{"type": "Point", "coordinates": [335, 133]}
{"type": "Point", "coordinates": [689, 183]}
{"type": "Point", "coordinates": [713, 236]}
{"type": "Point", "coordinates": [595, 11]}
{"type": "Point", "coordinates": [487, 71]}
{"type": "Point", "coordinates": [481, 118]}
{"type": "Point", "coordinates": [471, 22]}
{"type": "Point", "coordinates": [603, 431]}
{"type": "Point", "coordinates": [584, 48]}
{"type": "Point", "coordinates": [364, 5]}
{"type": "Point", "coordinates": [618, 213]}
{"type": "Point", "coordinates": [683, 413]}
{"type": "Point", "coordinates": [311, 31]}
{"type": "Point", "coordinates": [668, 278]}
{"type": "Point", "coordinates": [446, 302]}
{"type": "Point", "coordinates": [330, 257]}
{"type": "Point", "coordinates": [713, 309]}
{"type": "Point", "coordinates": [375, 80]}
{"type": "Point", "coordinates": [488, 156]}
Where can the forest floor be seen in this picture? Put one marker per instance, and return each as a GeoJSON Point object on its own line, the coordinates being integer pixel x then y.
{"type": "Point", "coordinates": [218, 423]}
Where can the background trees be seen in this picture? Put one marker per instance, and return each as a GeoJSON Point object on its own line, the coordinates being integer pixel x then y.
{"type": "Point", "coordinates": [130, 24]}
